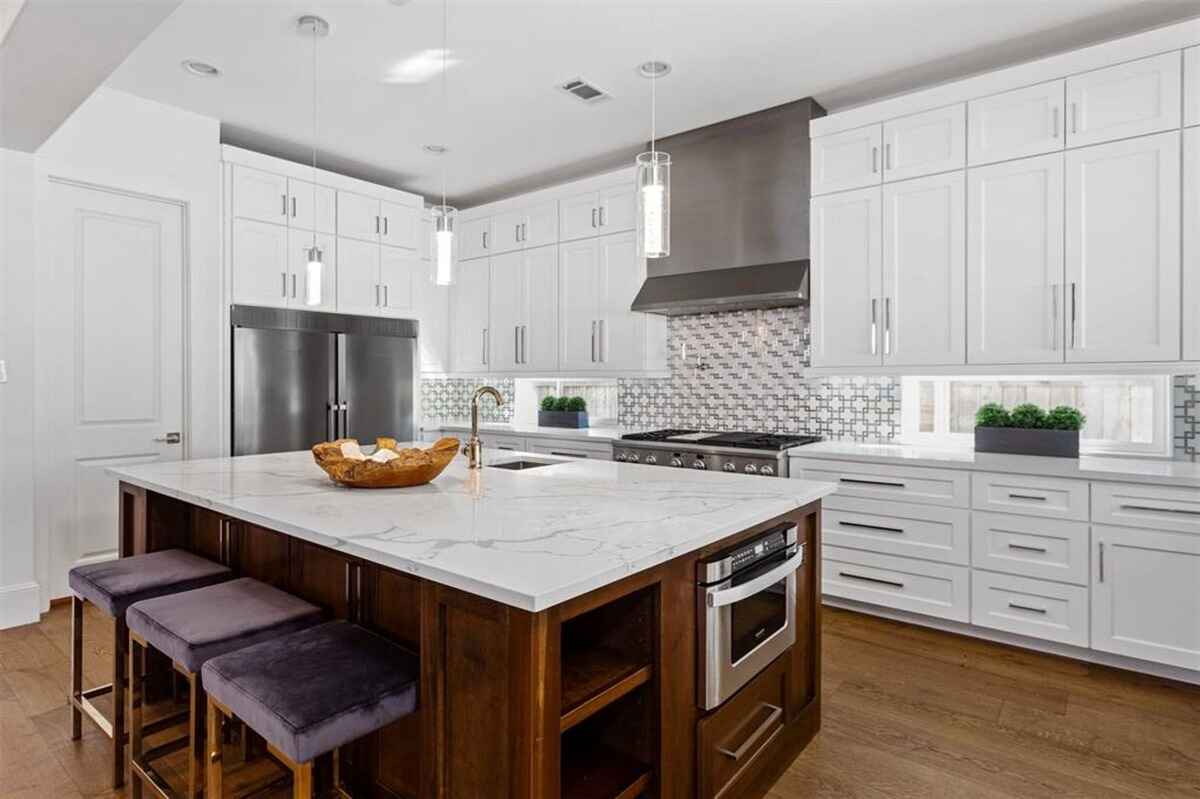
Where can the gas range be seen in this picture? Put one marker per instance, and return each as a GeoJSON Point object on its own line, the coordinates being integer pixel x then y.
{"type": "Point", "coordinates": [742, 453]}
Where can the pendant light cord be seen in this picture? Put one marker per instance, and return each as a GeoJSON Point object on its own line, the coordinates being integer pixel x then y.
{"type": "Point", "coordinates": [315, 25]}
{"type": "Point", "coordinates": [445, 95]}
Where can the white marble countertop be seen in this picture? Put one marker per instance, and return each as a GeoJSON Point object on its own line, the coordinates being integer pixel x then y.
{"type": "Point", "coordinates": [597, 434]}
{"type": "Point", "coordinates": [1087, 467]}
{"type": "Point", "coordinates": [531, 539]}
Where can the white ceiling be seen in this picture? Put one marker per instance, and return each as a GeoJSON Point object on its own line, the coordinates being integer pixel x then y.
{"type": "Point", "coordinates": [509, 128]}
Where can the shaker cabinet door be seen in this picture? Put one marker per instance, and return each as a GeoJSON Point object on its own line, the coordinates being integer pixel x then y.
{"type": "Point", "coordinates": [621, 334]}
{"type": "Point", "coordinates": [311, 207]}
{"type": "Point", "coordinates": [470, 333]}
{"type": "Point", "coordinates": [1016, 124]}
{"type": "Point", "coordinates": [259, 263]}
{"type": "Point", "coordinates": [579, 287]}
{"type": "Point", "coordinates": [506, 303]}
{"type": "Point", "coordinates": [260, 195]}
{"type": "Point", "coordinates": [1191, 86]}
{"type": "Point", "coordinates": [579, 216]}
{"type": "Point", "coordinates": [474, 237]}
{"type": "Point", "coordinates": [398, 270]}
{"type": "Point", "coordinates": [925, 144]}
{"type": "Point", "coordinates": [401, 225]}
{"type": "Point", "coordinates": [358, 217]}
{"type": "Point", "coordinates": [359, 290]}
{"type": "Point", "coordinates": [1131, 99]}
{"type": "Point", "coordinates": [847, 256]}
{"type": "Point", "coordinates": [847, 160]}
{"type": "Point", "coordinates": [1191, 244]}
{"type": "Point", "coordinates": [539, 334]}
{"type": "Point", "coordinates": [541, 225]}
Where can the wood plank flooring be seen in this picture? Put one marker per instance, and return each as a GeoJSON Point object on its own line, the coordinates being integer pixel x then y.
{"type": "Point", "coordinates": [908, 712]}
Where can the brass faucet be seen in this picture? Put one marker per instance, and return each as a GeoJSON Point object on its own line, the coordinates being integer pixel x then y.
{"type": "Point", "coordinates": [474, 448]}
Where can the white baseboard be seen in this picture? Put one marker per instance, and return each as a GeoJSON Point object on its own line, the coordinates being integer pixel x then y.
{"type": "Point", "coordinates": [1036, 644]}
{"type": "Point", "coordinates": [19, 604]}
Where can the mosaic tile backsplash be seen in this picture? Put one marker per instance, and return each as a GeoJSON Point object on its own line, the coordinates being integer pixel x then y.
{"type": "Point", "coordinates": [1186, 401]}
{"type": "Point", "coordinates": [450, 398]}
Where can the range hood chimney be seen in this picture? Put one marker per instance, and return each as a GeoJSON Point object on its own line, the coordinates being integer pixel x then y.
{"type": "Point", "coordinates": [739, 216]}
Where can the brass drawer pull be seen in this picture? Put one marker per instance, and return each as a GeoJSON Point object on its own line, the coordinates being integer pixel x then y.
{"type": "Point", "coordinates": [769, 722]}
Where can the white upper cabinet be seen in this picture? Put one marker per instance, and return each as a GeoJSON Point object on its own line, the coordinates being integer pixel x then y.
{"type": "Point", "coordinates": [925, 143]}
{"type": "Point", "coordinates": [524, 310]}
{"type": "Point", "coordinates": [299, 242]}
{"type": "Point", "coordinates": [1015, 261]}
{"type": "Point", "coordinates": [621, 337]}
{"type": "Point", "coordinates": [311, 207]}
{"type": "Point", "coordinates": [401, 224]}
{"type": "Point", "coordinates": [541, 225]}
{"type": "Point", "coordinates": [617, 208]}
{"type": "Point", "coordinates": [847, 160]}
{"type": "Point", "coordinates": [475, 237]}
{"type": "Point", "coordinates": [1191, 86]}
{"type": "Point", "coordinates": [398, 270]}
{"type": "Point", "coordinates": [924, 271]}
{"type": "Point", "coordinates": [517, 229]}
{"type": "Point", "coordinates": [470, 336]}
{"type": "Point", "coordinates": [1130, 99]}
{"type": "Point", "coordinates": [595, 213]}
{"type": "Point", "coordinates": [1016, 124]}
{"type": "Point", "coordinates": [260, 195]}
{"type": "Point", "coordinates": [358, 216]}
{"type": "Point", "coordinates": [1191, 244]}
{"type": "Point", "coordinates": [1122, 250]}
{"type": "Point", "coordinates": [507, 228]}
{"type": "Point", "coordinates": [579, 288]}
{"type": "Point", "coordinates": [847, 262]}
{"type": "Point", "coordinates": [259, 263]}
{"type": "Point", "coordinates": [358, 288]}
{"type": "Point", "coordinates": [506, 301]}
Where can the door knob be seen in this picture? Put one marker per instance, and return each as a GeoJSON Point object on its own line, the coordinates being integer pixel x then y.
{"type": "Point", "coordinates": [169, 438]}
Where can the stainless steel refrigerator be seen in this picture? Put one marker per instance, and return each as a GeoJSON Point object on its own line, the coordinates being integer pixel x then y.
{"type": "Point", "coordinates": [301, 377]}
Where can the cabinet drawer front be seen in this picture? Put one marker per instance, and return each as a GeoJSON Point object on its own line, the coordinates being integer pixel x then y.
{"type": "Point", "coordinates": [895, 528]}
{"type": "Point", "coordinates": [1048, 549]}
{"type": "Point", "coordinates": [1175, 509]}
{"type": "Point", "coordinates": [733, 735]}
{"type": "Point", "coordinates": [918, 586]}
{"type": "Point", "coordinates": [1054, 498]}
{"type": "Point", "coordinates": [1035, 608]}
{"type": "Point", "coordinates": [572, 449]}
{"type": "Point", "coordinates": [896, 483]}
{"type": "Point", "coordinates": [492, 441]}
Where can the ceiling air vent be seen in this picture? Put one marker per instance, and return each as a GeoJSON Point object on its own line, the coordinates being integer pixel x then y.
{"type": "Point", "coordinates": [585, 91]}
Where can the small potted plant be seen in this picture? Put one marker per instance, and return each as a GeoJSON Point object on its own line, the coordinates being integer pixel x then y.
{"type": "Point", "coordinates": [563, 412]}
{"type": "Point", "coordinates": [1028, 430]}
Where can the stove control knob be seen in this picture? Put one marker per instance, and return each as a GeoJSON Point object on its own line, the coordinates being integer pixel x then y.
{"type": "Point", "coordinates": [751, 469]}
{"type": "Point", "coordinates": [651, 460]}
{"type": "Point", "coordinates": [730, 467]}
{"type": "Point", "coordinates": [699, 464]}
{"type": "Point", "coordinates": [767, 470]}
{"type": "Point", "coordinates": [621, 457]}
{"type": "Point", "coordinates": [633, 457]}
{"type": "Point", "coordinates": [676, 461]}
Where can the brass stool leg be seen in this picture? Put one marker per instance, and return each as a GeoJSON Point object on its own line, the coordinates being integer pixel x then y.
{"type": "Point", "coordinates": [76, 666]}
{"type": "Point", "coordinates": [136, 693]}
{"type": "Point", "coordinates": [216, 719]}
{"type": "Point", "coordinates": [120, 647]}
{"type": "Point", "coordinates": [197, 712]}
{"type": "Point", "coordinates": [302, 780]}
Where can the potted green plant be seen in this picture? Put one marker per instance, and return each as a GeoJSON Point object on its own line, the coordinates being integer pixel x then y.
{"type": "Point", "coordinates": [1029, 430]}
{"type": "Point", "coordinates": [563, 412]}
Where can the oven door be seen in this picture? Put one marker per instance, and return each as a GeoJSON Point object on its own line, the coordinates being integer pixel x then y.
{"type": "Point", "coordinates": [750, 620]}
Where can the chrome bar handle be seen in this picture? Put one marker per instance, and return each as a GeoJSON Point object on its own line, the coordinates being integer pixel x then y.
{"type": "Point", "coordinates": [887, 325]}
{"type": "Point", "coordinates": [1054, 122]}
{"type": "Point", "coordinates": [600, 343]}
{"type": "Point", "coordinates": [874, 325]}
{"type": "Point", "coordinates": [516, 343]}
{"type": "Point", "coordinates": [283, 199]}
{"type": "Point", "coordinates": [524, 345]}
{"type": "Point", "coordinates": [1074, 315]}
{"type": "Point", "coordinates": [874, 160]}
{"type": "Point", "coordinates": [727, 596]}
{"type": "Point", "coordinates": [887, 156]}
{"type": "Point", "coordinates": [602, 222]}
{"type": "Point", "coordinates": [593, 221]}
{"type": "Point", "coordinates": [283, 290]}
{"type": "Point", "coordinates": [293, 286]}
{"type": "Point", "coordinates": [377, 224]}
{"type": "Point", "coordinates": [485, 241]}
{"type": "Point", "coordinates": [1101, 561]}
{"type": "Point", "coordinates": [483, 346]}
{"type": "Point", "coordinates": [1074, 117]}
{"type": "Point", "coordinates": [385, 295]}
{"type": "Point", "coordinates": [385, 226]}
{"type": "Point", "coordinates": [1054, 317]}
{"type": "Point", "coordinates": [1026, 548]}
{"type": "Point", "coordinates": [293, 205]}
{"type": "Point", "coordinates": [593, 341]}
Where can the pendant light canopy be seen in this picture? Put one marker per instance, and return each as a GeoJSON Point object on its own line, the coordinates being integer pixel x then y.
{"type": "Point", "coordinates": [443, 253]}
{"type": "Point", "coordinates": [314, 272]}
{"type": "Point", "coordinates": [653, 181]}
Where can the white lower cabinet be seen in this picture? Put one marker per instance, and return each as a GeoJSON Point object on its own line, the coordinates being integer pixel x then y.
{"type": "Point", "coordinates": [1035, 608]}
{"type": "Point", "coordinates": [897, 528]}
{"type": "Point", "coordinates": [571, 449]}
{"type": "Point", "coordinates": [918, 586]}
{"type": "Point", "coordinates": [500, 442]}
{"type": "Point", "coordinates": [1055, 497]}
{"type": "Point", "coordinates": [950, 487]}
{"type": "Point", "coordinates": [1048, 549]}
{"type": "Point", "coordinates": [1146, 595]}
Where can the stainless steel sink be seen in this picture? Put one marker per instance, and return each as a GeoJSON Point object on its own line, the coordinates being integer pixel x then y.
{"type": "Point", "coordinates": [521, 465]}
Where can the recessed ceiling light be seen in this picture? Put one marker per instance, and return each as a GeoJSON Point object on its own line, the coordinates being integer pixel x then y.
{"type": "Point", "coordinates": [200, 68]}
{"type": "Point", "coordinates": [309, 24]}
{"type": "Point", "coordinates": [436, 149]}
{"type": "Point", "coordinates": [654, 69]}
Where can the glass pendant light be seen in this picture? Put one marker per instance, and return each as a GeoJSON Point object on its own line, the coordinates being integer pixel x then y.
{"type": "Point", "coordinates": [314, 272]}
{"type": "Point", "coordinates": [653, 182]}
{"type": "Point", "coordinates": [443, 253]}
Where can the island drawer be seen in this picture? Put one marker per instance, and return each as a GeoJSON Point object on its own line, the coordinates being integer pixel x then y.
{"type": "Point", "coordinates": [1159, 508]}
{"type": "Point", "coordinates": [898, 528]}
{"type": "Point", "coordinates": [1052, 497]}
{"type": "Point", "coordinates": [1048, 549]}
{"type": "Point", "coordinates": [1037, 608]}
{"type": "Point", "coordinates": [948, 487]}
{"type": "Point", "coordinates": [918, 586]}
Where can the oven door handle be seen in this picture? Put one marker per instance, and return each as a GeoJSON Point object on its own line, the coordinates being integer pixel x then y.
{"type": "Point", "coordinates": [727, 596]}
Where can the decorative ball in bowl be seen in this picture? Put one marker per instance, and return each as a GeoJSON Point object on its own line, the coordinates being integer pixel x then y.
{"type": "Point", "coordinates": [388, 467]}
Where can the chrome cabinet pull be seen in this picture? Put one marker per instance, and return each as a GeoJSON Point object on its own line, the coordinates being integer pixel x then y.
{"type": "Point", "coordinates": [1101, 561]}
{"type": "Point", "coordinates": [169, 438]}
{"type": "Point", "coordinates": [483, 353]}
{"type": "Point", "coordinates": [1026, 496]}
{"type": "Point", "coordinates": [887, 325]}
{"type": "Point", "coordinates": [602, 222]}
{"type": "Point", "coordinates": [1153, 509]}
{"type": "Point", "coordinates": [376, 224]}
{"type": "Point", "coordinates": [567, 454]}
{"type": "Point", "coordinates": [1027, 548]}
{"type": "Point", "coordinates": [1054, 317]}
{"type": "Point", "coordinates": [485, 242]}
{"type": "Point", "coordinates": [516, 343]}
{"type": "Point", "coordinates": [887, 156]}
{"type": "Point", "coordinates": [770, 721]}
{"type": "Point", "coordinates": [283, 291]}
{"type": "Point", "coordinates": [874, 160]}
{"type": "Point", "coordinates": [517, 233]}
{"type": "Point", "coordinates": [593, 341]}
{"type": "Point", "coordinates": [593, 217]}
{"type": "Point", "coordinates": [1074, 117]}
{"type": "Point", "coordinates": [283, 199]}
{"type": "Point", "coordinates": [293, 206]}
{"type": "Point", "coordinates": [376, 295]}
{"type": "Point", "coordinates": [600, 343]}
{"type": "Point", "coordinates": [385, 226]}
{"type": "Point", "coordinates": [524, 231]}
{"type": "Point", "coordinates": [875, 326]}
{"type": "Point", "coordinates": [881, 528]}
{"type": "Point", "coordinates": [1029, 608]}
{"type": "Point", "coordinates": [857, 481]}
{"type": "Point", "coordinates": [1074, 315]}
{"type": "Point", "coordinates": [865, 579]}
{"type": "Point", "coordinates": [524, 345]}
{"type": "Point", "coordinates": [293, 287]}
{"type": "Point", "coordinates": [385, 295]}
{"type": "Point", "coordinates": [1054, 122]}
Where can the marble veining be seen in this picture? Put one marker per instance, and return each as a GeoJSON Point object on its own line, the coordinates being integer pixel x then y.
{"type": "Point", "coordinates": [531, 539]}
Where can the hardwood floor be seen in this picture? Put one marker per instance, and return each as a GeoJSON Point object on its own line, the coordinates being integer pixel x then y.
{"type": "Point", "coordinates": [908, 712]}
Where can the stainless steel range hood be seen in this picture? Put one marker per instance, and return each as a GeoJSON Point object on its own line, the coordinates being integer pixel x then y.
{"type": "Point", "coordinates": [739, 216]}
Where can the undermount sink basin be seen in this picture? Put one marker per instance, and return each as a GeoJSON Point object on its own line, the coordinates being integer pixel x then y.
{"type": "Point", "coordinates": [521, 465]}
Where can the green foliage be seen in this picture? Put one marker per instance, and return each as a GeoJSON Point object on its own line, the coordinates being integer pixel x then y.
{"type": "Point", "coordinates": [577, 404]}
{"type": "Point", "coordinates": [1028, 416]}
{"type": "Point", "coordinates": [562, 404]}
{"type": "Point", "coordinates": [1064, 417]}
{"type": "Point", "coordinates": [992, 415]}
{"type": "Point", "coordinates": [548, 402]}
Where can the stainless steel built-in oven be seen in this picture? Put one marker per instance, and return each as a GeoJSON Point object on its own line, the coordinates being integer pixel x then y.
{"type": "Point", "coordinates": [748, 602]}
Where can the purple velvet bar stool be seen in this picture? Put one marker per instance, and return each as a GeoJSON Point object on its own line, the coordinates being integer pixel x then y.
{"type": "Point", "coordinates": [308, 694]}
{"type": "Point", "coordinates": [190, 628]}
{"type": "Point", "coordinates": [112, 586]}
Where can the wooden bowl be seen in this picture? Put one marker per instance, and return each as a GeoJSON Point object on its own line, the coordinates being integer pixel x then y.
{"type": "Point", "coordinates": [410, 467]}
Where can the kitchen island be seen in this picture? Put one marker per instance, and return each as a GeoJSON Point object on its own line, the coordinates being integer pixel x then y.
{"type": "Point", "coordinates": [555, 612]}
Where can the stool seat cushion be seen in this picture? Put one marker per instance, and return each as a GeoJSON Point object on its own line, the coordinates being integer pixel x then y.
{"type": "Point", "coordinates": [193, 626]}
{"type": "Point", "coordinates": [114, 585]}
{"type": "Point", "coordinates": [315, 690]}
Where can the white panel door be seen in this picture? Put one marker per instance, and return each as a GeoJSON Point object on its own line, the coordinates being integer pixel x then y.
{"type": "Point", "coordinates": [1191, 86]}
{"type": "Point", "coordinates": [400, 225]}
{"type": "Point", "coordinates": [474, 237]}
{"type": "Point", "coordinates": [539, 338]}
{"type": "Point", "coordinates": [1145, 601]}
{"type": "Point", "coordinates": [259, 263]}
{"type": "Point", "coordinates": [1130, 99]}
{"type": "Point", "coordinates": [507, 309]}
{"type": "Point", "coordinates": [924, 271]}
{"type": "Point", "coordinates": [1016, 124]}
{"type": "Point", "coordinates": [299, 242]}
{"type": "Point", "coordinates": [617, 208]}
{"type": "Point", "coordinates": [432, 306]}
{"type": "Point", "coordinates": [579, 216]}
{"type": "Point", "coordinates": [847, 160]}
{"type": "Point", "coordinates": [110, 390]}
{"type": "Point", "coordinates": [260, 195]}
{"type": "Point", "coordinates": [1015, 261]}
{"type": "Point", "coordinates": [312, 207]}
{"type": "Point", "coordinates": [541, 224]}
{"type": "Point", "coordinates": [925, 143]}
{"type": "Point", "coordinates": [469, 323]}
{"type": "Point", "coordinates": [579, 287]}
{"type": "Point", "coordinates": [358, 217]}
{"type": "Point", "coordinates": [398, 270]}
{"type": "Point", "coordinates": [358, 286]}
{"type": "Point", "coordinates": [847, 263]}
{"type": "Point", "coordinates": [1122, 250]}
{"type": "Point", "coordinates": [507, 229]}
{"type": "Point", "coordinates": [1191, 244]}
{"type": "Point", "coordinates": [621, 341]}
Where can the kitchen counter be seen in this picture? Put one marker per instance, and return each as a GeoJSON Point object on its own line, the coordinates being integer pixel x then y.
{"type": "Point", "coordinates": [598, 434]}
{"type": "Point", "coordinates": [1087, 467]}
{"type": "Point", "coordinates": [528, 539]}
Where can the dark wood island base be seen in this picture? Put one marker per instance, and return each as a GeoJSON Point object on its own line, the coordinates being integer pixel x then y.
{"type": "Point", "coordinates": [594, 698]}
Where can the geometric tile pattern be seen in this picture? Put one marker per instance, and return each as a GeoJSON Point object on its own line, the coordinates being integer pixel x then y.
{"type": "Point", "coordinates": [450, 398]}
{"type": "Point", "coordinates": [1186, 401]}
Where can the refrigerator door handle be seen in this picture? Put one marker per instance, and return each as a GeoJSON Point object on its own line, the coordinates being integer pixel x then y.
{"type": "Point", "coordinates": [331, 432]}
